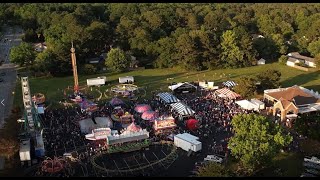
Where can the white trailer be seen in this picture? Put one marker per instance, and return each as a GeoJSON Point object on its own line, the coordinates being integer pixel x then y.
{"type": "Point", "coordinates": [126, 79]}
{"type": "Point", "coordinates": [25, 150]}
{"type": "Point", "coordinates": [96, 81]}
{"type": "Point", "coordinates": [187, 142]}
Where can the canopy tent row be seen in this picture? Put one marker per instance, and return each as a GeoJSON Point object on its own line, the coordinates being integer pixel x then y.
{"type": "Point", "coordinates": [168, 98]}
{"type": "Point", "coordinates": [182, 109]}
{"type": "Point", "coordinates": [229, 83]}
{"type": "Point", "coordinates": [245, 104]}
{"type": "Point", "coordinates": [228, 93]}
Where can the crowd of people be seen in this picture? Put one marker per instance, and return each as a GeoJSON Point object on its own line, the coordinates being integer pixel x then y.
{"type": "Point", "coordinates": [214, 113]}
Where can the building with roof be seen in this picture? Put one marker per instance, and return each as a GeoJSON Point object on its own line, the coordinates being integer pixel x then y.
{"type": "Point", "coordinates": [295, 57]}
{"type": "Point", "coordinates": [261, 61]}
{"type": "Point", "coordinates": [289, 102]}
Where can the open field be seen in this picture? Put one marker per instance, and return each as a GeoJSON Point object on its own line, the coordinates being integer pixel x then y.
{"type": "Point", "coordinates": [157, 79]}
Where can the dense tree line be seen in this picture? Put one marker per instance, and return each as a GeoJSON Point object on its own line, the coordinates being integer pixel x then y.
{"type": "Point", "coordinates": [193, 36]}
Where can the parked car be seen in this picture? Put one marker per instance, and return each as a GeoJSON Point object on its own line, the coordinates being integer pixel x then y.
{"type": "Point", "coordinates": [201, 163]}
{"type": "Point", "coordinates": [213, 158]}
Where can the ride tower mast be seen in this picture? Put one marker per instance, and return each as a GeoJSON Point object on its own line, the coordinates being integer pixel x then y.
{"type": "Point", "coordinates": [74, 68]}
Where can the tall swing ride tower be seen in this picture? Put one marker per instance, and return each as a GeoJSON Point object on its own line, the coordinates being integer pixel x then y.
{"type": "Point", "coordinates": [74, 68]}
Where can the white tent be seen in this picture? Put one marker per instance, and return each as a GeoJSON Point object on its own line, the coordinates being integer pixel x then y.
{"type": "Point", "coordinates": [175, 86]}
{"type": "Point", "coordinates": [260, 104]}
{"type": "Point", "coordinates": [182, 109]}
{"type": "Point", "coordinates": [168, 98]}
{"type": "Point", "coordinates": [245, 104]}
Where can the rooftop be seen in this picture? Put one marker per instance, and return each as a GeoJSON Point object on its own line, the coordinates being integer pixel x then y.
{"type": "Point", "coordinates": [294, 94]}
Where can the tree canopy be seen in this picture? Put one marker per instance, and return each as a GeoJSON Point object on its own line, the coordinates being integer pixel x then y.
{"type": "Point", "coordinates": [256, 140]}
{"type": "Point", "coordinates": [269, 79]}
{"type": "Point", "coordinates": [214, 170]}
{"type": "Point", "coordinates": [308, 125]}
{"type": "Point", "coordinates": [195, 36]}
{"type": "Point", "coordinates": [24, 54]}
{"type": "Point", "coordinates": [117, 60]}
{"type": "Point", "coordinates": [246, 87]}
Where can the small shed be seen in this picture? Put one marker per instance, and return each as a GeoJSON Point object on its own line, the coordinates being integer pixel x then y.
{"type": "Point", "coordinates": [261, 61]}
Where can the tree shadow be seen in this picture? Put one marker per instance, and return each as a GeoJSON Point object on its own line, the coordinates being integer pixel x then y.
{"type": "Point", "coordinates": [303, 79]}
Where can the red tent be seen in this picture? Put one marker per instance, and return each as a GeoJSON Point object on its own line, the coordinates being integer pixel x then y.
{"type": "Point", "coordinates": [149, 115]}
{"type": "Point", "coordinates": [192, 124]}
{"type": "Point", "coordinates": [141, 108]}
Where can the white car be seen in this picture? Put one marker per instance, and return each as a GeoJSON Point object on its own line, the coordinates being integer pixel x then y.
{"type": "Point", "coordinates": [213, 158]}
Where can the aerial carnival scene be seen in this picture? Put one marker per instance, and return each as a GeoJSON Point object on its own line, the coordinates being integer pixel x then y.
{"type": "Point", "coordinates": [75, 140]}
{"type": "Point", "coordinates": [122, 132]}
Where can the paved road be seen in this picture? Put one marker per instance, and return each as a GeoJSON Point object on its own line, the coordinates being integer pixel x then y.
{"type": "Point", "coordinates": [12, 36]}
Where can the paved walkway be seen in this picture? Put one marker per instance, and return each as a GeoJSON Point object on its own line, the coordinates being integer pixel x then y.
{"type": "Point", "coordinates": [10, 38]}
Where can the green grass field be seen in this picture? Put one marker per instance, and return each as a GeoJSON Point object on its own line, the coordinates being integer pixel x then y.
{"type": "Point", "coordinates": [157, 79]}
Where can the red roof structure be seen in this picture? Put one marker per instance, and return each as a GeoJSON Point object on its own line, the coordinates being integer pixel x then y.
{"type": "Point", "coordinates": [133, 128]}
{"type": "Point", "coordinates": [141, 108]}
{"type": "Point", "coordinates": [149, 115]}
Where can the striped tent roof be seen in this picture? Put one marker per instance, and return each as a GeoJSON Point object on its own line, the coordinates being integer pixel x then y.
{"type": "Point", "coordinates": [227, 92]}
{"type": "Point", "coordinates": [182, 109]}
{"type": "Point", "coordinates": [168, 97]}
{"type": "Point", "coordinates": [229, 83]}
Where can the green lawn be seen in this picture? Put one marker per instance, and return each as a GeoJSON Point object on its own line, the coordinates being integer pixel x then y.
{"type": "Point", "coordinates": [157, 79]}
{"type": "Point", "coordinates": [284, 165]}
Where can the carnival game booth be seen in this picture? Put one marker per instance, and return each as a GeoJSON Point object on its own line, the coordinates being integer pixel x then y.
{"type": "Point", "coordinates": [183, 88]}
{"type": "Point", "coordinates": [132, 133]}
{"type": "Point", "coordinates": [164, 124]}
{"type": "Point", "coordinates": [227, 93]}
{"type": "Point", "coordinates": [167, 98]}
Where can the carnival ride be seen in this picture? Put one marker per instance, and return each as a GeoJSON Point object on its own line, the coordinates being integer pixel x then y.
{"type": "Point", "coordinates": [39, 98]}
{"type": "Point", "coordinates": [159, 157]}
{"type": "Point", "coordinates": [32, 130]}
{"type": "Point", "coordinates": [54, 165]}
{"type": "Point", "coordinates": [124, 89]}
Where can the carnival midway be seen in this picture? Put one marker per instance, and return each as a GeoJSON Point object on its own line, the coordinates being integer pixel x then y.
{"type": "Point", "coordinates": [128, 135]}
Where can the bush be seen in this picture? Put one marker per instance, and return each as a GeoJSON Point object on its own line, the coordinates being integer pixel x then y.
{"type": "Point", "coordinates": [301, 64]}
{"type": "Point", "coordinates": [283, 59]}
{"type": "Point", "coordinates": [88, 69]}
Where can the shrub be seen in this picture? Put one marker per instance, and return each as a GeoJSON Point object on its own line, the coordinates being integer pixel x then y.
{"type": "Point", "coordinates": [89, 69]}
{"type": "Point", "coordinates": [283, 59]}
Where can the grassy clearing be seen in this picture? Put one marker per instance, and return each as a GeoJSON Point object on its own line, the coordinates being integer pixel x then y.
{"type": "Point", "coordinates": [310, 147]}
{"type": "Point", "coordinates": [157, 79]}
{"type": "Point", "coordinates": [287, 164]}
